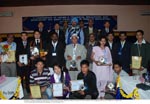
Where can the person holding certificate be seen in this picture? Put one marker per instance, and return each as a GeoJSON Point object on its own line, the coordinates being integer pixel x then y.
{"type": "Point", "coordinates": [40, 76]}
{"type": "Point", "coordinates": [140, 54]}
{"type": "Point", "coordinates": [102, 65]}
{"type": "Point", "coordinates": [61, 75]}
{"type": "Point", "coordinates": [8, 49]}
{"type": "Point", "coordinates": [22, 59]}
{"type": "Point", "coordinates": [89, 79]}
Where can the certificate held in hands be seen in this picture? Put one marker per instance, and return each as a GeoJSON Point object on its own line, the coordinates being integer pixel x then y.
{"type": "Point", "coordinates": [77, 85]}
{"type": "Point", "coordinates": [23, 59]}
{"type": "Point", "coordinates": [136, 62]}
{"type": "Point", "coordinates": [11, 56]}
{"type": "Point", "coordinates": [35, 91]}
{"type": "Point", "coordinates": [57, 89]}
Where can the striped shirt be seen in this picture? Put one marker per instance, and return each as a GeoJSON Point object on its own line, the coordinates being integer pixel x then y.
{"type": "Point", "coordinates": [42, 80]}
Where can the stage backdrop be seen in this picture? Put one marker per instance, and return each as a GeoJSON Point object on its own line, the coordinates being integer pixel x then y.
{"type": "Point", "coordinates": [30, 23]}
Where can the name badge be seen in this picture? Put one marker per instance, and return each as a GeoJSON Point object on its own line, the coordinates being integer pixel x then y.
{"type": "Point", "coordinates": [54, 54]}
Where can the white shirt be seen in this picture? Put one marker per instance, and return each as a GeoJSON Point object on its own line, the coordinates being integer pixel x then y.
{"type": "Point", "coordinates": [122, 73]}
{"type": "Point", "coordinates": [54, 45]}
{"type": "Point", "coordinates": [110, 44]}
{"type": "Point", "coordinates": [37, 41]}
{"type": "Point", "coordinates": [122, 43]}
{"type": "Point", "coordinates": [57, 77]}
{"type": "Point", "coordinates": [57, 31]}
{"type": "Point", "coordinates": [90, 30]}
{"type": "Point", "coordinates": [143, 42]}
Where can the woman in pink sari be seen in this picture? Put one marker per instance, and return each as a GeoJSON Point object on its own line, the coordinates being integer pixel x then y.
{"type": "Point", "coordinates": [102, 65]}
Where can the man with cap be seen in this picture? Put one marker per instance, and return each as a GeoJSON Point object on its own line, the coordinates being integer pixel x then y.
{"type": "Point", "coordinates": [74, 54]}
{"type": "Point", "coordinates": [74, 29]}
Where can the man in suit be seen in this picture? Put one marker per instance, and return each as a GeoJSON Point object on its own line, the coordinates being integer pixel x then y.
{"type": "Point", "coordinates": [43, 31]}
{"type": "Point", "coordinates": [90, 29]}
{"type": "Point", "coordinates": [39, 44]}
{"type": "Point", "coordinates": [74, 54]}
{"type": "Point", "coordinates": [60, 33]}
{"type": "Point", "coordinates": [89, 46]}
{"type": "Point", "coordinates": [106, 29]}
{"type": "Point", "coordinates": [55, 51]}
{"type": "Point", "coordinates": [123, 52]}
{"type": "Point", "coordinates": [23, 48]}
{"type": "Point", "coordinates": [141, 48]}
{"type": "Point", "coordinates": [111, 44]}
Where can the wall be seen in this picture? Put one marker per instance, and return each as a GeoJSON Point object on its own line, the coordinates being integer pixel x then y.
{"type": "Point", "coordinates": [129, 18]}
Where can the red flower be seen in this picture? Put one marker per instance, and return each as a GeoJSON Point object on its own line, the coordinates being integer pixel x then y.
{"type": "Point", "coordinates": [6, 46]}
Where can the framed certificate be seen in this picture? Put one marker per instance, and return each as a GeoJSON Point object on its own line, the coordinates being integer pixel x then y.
{"type": "Point", "coordinates": [136, 62]}
{"type": "Point", "coordinates": [23, 59]}
{"type": "Point", "coordinates": [35, 91]}
{"type": "Point", "coordinates": [11, 56]}
{"type": "Point", "coordinates": [57, 89]}
{"type": "Point", "coordinates": [77, 85]}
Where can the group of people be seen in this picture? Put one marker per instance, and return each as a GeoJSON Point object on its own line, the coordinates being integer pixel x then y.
{"type": "Point", "coordinates": [75, 53]}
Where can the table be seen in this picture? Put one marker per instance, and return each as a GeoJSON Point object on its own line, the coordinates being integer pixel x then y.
{"type": "Point", "coordinates": [8, 87]}
{"type": "Point", "coordinates": [129, 84]}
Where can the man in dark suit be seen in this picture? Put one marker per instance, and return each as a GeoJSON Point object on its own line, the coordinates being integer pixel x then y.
{"type": "Point", "coordinates": [106, 29]}
{"type": "Point", "coordinates": [123, 52]}
{"type": "Point", "coordinates": [61, 34]}
{"type": "Point", "coordinates": [111, 44]}
{"type": "Point", "coordinates": [89, 46]}
{"type": "Point", "coordinates": [43, 31]}
{"type": "Point", "coordinates": [90, 29]}
{"type": "Point", "coordinates": [55, 51]}
{"type": "Point", "coordinates": [40, 45]}
{"type": "Point", "coordinates": [23, 47]}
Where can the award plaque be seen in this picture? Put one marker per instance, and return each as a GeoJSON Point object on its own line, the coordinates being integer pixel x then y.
{"type": "Point", "coordinates": [35, 91]}
{"type": "Point", "coordinates": [23, 59]}
{"type": "Point", "coordinates": [34, 51]}
{"type": "Point", "coordinates": [101, 60]}
{"type": "Point", "coordinates": [136, 62]}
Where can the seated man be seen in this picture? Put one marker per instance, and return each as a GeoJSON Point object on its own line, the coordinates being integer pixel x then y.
{"type": "Point", "coordinates": [118, 71]}
{"type": "Point", "coordinates": [41, 76]}
{"type": "Point", "coordinates": [89, 79]}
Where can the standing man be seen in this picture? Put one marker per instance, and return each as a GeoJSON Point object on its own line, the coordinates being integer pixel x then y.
{"type": "Point", "coordinates": [55, 51]}
{"type": "Point", "coordinates": [74, 54]}
{"type": "Point", "coordinates": [23, 48]}
{"type": "Point", "coordinates": [90, 29]}
{"type": "Point", "coordinates": [41, 29]}
{"type": "Point", "coordinates": [9, 68]}
{"type": "Point", "coordinates": [106, 29]}
{"type": "Point", "coordinates": [141, 48]}
{"type": "Point", "coordinates": [89, 46]}
{"type": "Point", "coordinates": [74, 29]}
{"type": "Point", "coordinates": [60, 33]}
{"type": "Point", "coordinates": [123, 52]}
{"type": "Point", "coordinates": [111, 44]}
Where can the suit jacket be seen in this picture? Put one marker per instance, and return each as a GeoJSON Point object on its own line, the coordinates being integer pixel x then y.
{"type": "Point", "coordinates": [104, 33]}
{"type": "Point", "coordinates": [42, 44]}
{"type": "Point", "coordinates": [59, 58]}
{"type": "Point", "coordinates": [86, 34]}
{"type": "Point", "coordinates": [22, 50]}
{"type": "Point", "coordinates": [112, 50]}
{"type": "Point", "coordinates": [89, 51]}
{"type": "Point", "coordinates": [124, 58]}
{"type": "Point", "coordinates": [44, 35]}
{"type": "Point", "coordinates": [61, 36]}
{"type": "Point", "coordinates": [80, 51]}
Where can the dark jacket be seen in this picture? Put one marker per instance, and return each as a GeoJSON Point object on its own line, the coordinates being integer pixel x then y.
{"type": "Point", "coordinates": [89, 82]}
{"type": "Point", "coordinates": [59, 58]}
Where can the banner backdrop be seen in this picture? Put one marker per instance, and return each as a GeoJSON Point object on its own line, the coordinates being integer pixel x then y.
{"type": "Point", "coordinates": [30, 23]}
